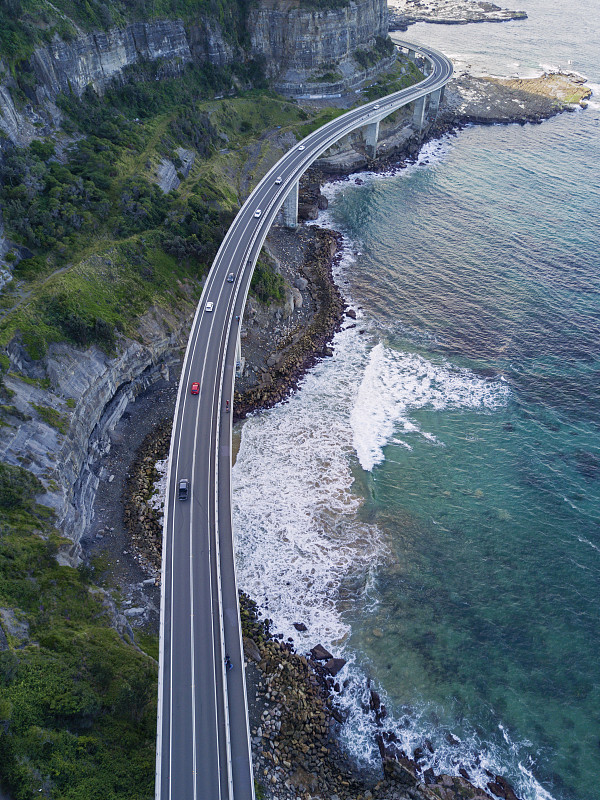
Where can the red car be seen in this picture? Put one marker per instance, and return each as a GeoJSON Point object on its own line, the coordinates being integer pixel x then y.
{"type": "Point", "coordinates": [195, 388]}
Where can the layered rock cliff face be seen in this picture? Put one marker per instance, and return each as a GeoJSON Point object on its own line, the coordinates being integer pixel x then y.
{"type": "Point", "coordinates": [298, 43]}
{"type": "Point", "coordinates": [57, 431]}
{"type": "Point", "coordinates": [96, 59]}
{"type": "Point", "coordinates": [300, 46]}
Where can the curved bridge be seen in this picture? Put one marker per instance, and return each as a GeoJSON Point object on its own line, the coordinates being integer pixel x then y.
{"type": "Point", "coordinates": [203, 742]}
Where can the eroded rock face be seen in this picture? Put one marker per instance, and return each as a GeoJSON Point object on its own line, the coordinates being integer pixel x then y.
{"type": "Point", "coordinates": [298, 42]}
{"type": "Point", "coordinates": [97, 58]}
{"type": "Point", "coordinates": [88, 394]}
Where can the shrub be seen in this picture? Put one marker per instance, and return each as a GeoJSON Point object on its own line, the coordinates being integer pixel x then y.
{"type": "Point", "coordinates": [18, 487]}
{"type": "Point", "coordinates": [52, 417]}
{"type": "Point", "coordinates": [267, 284]}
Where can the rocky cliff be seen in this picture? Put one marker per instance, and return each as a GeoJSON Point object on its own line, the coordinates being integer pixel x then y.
{"type": "Point", "coordinates": [306, 48]}
{"type": "Point", "coordinates": [63, 409]}
{"type": "Point", "coordinates": [96, 59]}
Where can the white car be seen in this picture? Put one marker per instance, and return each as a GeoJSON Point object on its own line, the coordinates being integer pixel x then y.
{"type": "Point", "coordinates": [278, 180]}
{"type": "Point", "coordinates": [301, 147]}
{"type": "Point", "coordinates": [257, 213]}
{"type": "Point", "coordinates": [209, 306]}
{"type": "Point", "coordinates": [376, 105]}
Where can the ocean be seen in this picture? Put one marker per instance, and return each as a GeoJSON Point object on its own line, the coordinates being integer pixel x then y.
{"type": "Point", "coordinates": [428, 503]}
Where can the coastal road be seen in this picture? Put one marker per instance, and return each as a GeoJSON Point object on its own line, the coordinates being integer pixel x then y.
{"type": "Point", "coordinates": [203, 742]}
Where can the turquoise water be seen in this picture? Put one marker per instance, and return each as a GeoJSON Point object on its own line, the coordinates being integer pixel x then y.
{"type": "Point", "coordinates": [428, 503]}
{"type": "Point", "coordinates": [488, 258]}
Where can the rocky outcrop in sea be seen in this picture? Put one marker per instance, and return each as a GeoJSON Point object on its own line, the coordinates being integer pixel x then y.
{"type": "Point", "coordinates": [448, 12]}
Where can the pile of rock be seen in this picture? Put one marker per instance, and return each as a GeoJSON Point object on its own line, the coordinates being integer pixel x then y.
{"type": "Point", "coordinates": [295, 725]}
{"type": "Point", "coordinates": [300, 352]}
{"type": "Point", "coordinates": [311, 199]}
{"type": "Point", "coordinates": [142, 521]}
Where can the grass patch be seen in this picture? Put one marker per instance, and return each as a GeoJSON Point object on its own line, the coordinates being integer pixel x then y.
{"type": "Point", "coordinates": [239, 120]}
{"type": "Point", "coordinates": [322, 119]}
{"type": "Point", "coordinates": [267, 284]}
{"type": "Point", "coordinates": [393, 81]}
{"type": "Point", "coordinates": [41, 383]}
{"type": "Point", "coordinates": [52, 417]}
{"type": "Point", "coordinates": [148, 642]}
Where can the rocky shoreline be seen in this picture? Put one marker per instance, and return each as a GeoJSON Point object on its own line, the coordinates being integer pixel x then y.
{"type": "Point", "coordinates": [447, 12]}
{"type": "Point", "coordinates": [295, 731]}
{"type": "Point", "coordinates": [304, 344]}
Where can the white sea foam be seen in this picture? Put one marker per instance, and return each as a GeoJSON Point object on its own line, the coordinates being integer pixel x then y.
{"type": "Point", "coordinates": [432, 153]}
{"type": "Point", "coordinates": [591, 544]}
{"type": "Point", "coordinates": [298, 536]}
{"type": "Point", "coordinates": [395, 383]}
{"type": "Point", "coordinates": [412, 727]}
{"type": "Point", "coordinates": [593, 102]}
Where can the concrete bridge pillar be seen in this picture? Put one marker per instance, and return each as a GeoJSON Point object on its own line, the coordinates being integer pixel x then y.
{"type": "Point", "coordinates": [371, 137]}
{"type": "Point", "coordinates": [290, 207]}
{"type": "Point", "coordinates": [239, 361]}
{"type": "Point", "coordinates": [435, 99]}
{"type": "Point", "coordinates": [419, 113]}
{"type": "Point", "coordinates": [411, 55]}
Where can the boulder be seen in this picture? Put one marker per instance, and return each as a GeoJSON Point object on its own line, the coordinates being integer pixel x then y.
{"type": "Point", "coordinates": [320, 654]}
{"type": "Point", "coordinates": [297, 297]}
{"type": "Point", "coordinates": [334, 665]}
{"type": "Point", "coordinates": [251, 649]}
{"type": "Point", "coordinates": [308, 211]}
{"type": "Point", "coordinates": [500, 787]}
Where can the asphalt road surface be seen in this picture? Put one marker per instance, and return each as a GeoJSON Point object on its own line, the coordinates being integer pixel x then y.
{"type": "Point", "coordinates": [203, 743]}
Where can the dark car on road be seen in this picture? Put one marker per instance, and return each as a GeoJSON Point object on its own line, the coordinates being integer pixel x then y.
{"type": "Point", "coordinates": [184, 488]}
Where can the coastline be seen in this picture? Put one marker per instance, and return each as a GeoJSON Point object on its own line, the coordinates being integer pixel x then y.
{"type": "Point", "coordinates": [448, 12]}
{"type": "Point", "coordinates": [285, 375]}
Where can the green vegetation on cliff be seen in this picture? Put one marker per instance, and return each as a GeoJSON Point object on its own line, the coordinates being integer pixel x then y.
{"type": "Point", "coordinates": [383, 48]}
{"type": "Point", "coordinates": [103, 243]}
{"type": "Point", "coordinates": [25, 24]}
{"type": "Point", "coordinates": [77, 700]}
